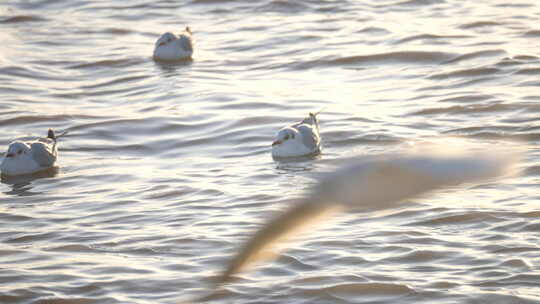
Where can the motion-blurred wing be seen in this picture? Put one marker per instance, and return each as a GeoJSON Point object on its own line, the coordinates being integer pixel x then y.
{"type": "Point", "coordinates": [367, 185]}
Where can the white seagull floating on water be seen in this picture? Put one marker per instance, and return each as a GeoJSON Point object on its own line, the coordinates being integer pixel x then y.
{"type": "Point", "coordinates": [171, 47]}
{"type": "Point", "coordinates": [299, 139]}
{"type": "Point", "coordinates": [32, 157]}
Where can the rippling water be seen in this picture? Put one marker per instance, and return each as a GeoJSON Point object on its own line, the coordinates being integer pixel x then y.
{"type": "Point", "coordinates": [166, 169]}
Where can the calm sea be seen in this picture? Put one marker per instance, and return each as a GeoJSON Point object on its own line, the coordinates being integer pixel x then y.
{"type": "Point", "coordinates": [166, 169]}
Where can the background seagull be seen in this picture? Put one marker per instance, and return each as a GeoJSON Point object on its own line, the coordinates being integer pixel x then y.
{"type": "Point", "coordinates": [367, 185]}
{"type": "Point", "coordinates": [300, 139]}
{"type": "Point", "coordinates": [170, 47]}
{"type": "Point", "coordinates": [27, 158]}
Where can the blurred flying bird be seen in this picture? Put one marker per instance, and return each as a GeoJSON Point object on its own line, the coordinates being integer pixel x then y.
{"type": "Point", "coordinates": [367, 184]}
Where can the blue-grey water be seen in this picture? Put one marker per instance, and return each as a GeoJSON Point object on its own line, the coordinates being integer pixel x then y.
{"type": "Point", "coordinates": [166, 168]}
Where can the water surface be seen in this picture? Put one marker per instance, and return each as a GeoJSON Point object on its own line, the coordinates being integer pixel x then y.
{"type": "Point", "coordinates": [166, 169]}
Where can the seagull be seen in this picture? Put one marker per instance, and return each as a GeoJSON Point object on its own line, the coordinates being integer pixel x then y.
{"type": "Point", "coordinates": [368, 184]}
{"type": "Point", "coordinates": [171, 47]}
{"type": "Point", "coordinates": [32, 157]}
{"type": "Point", "coordinates": [299, 139]}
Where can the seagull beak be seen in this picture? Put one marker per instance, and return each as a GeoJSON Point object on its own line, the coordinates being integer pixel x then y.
{"type": "Point", "coordinates": [277, 142]}
{"type": "Point", "coordinates": [10, 155]}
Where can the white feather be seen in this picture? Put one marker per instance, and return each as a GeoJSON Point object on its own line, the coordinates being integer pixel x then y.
{"type": "Point", "coordinates": [171, 47]}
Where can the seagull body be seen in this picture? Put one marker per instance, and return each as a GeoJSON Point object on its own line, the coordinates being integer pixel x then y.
{"type": "Point", "coordinates": [27, 158]}
{"type": "Point", "coordinates": [171, 47]}
{"type": "Point", "coordinates": [299, 139]}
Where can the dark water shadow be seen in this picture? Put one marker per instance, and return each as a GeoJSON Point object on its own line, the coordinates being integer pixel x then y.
{"type": "Point", "coordinates": [171, 68]}
{"type": "Point", "coordinates": [21, 185]}
{"type": "Point", "coordinates": [296, 164]}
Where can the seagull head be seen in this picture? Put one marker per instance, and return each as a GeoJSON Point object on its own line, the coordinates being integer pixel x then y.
{"type": "Point", "coordinates": [165, 39]}
{"type": "Point", "coordinates": [284, 135]}
{"type": "Point", "coordinates": [17, 149]}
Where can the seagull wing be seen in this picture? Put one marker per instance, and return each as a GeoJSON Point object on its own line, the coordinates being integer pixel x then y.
{"type": "Point", "coordinates": [186, 43]}
{"type": "Point", "coordinates": [310, 138]}
{"type": "Point", "coordinates": [281, 228]}
{"type": "Point", "coordinates": [44, 153]}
